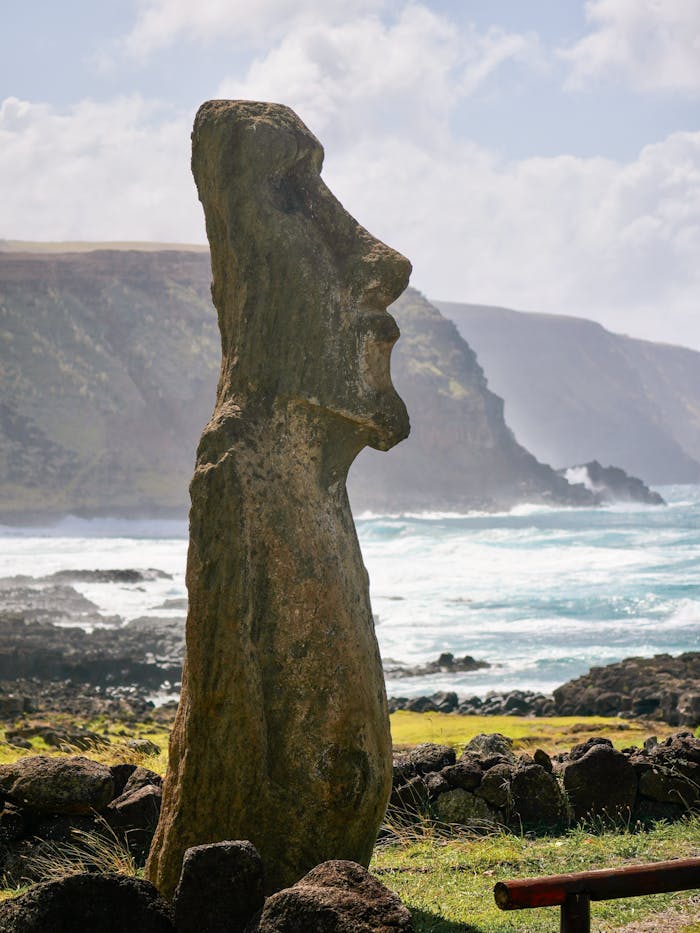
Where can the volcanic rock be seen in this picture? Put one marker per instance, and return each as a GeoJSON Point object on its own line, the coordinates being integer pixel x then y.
{"type": "Point", "coordinates": [220, 888]}
{"type": "Point", "coordinates": [101, 902]}
{"type": "Point", "coordinates": [57, 785]}
{"type": "Point", "coordinates": [601, 782]}
{"type": "Point", "coordinates": [335, 897]}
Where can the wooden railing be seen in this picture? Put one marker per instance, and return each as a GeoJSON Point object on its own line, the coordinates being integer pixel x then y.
{"type": "Point", "coordinates": [574, 893]}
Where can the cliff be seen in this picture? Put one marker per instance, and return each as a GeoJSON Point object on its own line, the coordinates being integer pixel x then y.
{"type": "Point", "coordinates": [460, 454]}
{"type": "Point", "coordinates": [109, 365]}
{"type": "Point", "coordinates": [575, 392]}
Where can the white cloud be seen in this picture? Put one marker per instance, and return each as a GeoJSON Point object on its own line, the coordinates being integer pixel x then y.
{"type": "Point", "coordinates": [160, 22]}
{"type": "Point", "coordinates": [617, 242]}
{"type": "Point", "coordinates": [103, 171]}
{"type": "Point", "coordinates": [591, 237]}
{"type": "Point", "coordinates": [366, 78]}
{"type": "Point", "coordinates": [652, 44]}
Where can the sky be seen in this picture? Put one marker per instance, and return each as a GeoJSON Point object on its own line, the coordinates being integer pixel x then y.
{"type": "Point", "coordinates": [542, 155]}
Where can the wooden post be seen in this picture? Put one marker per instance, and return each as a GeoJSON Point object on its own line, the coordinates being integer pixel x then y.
{"type": "Point", "coordinates": [576, 914]}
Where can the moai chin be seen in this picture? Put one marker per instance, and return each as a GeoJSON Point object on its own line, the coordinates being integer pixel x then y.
{"type": "Point", "coordinates": [282, 732]}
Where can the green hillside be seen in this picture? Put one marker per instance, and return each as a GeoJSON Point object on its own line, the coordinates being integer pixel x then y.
{"type": "Point", "coordinates": [108, 369]}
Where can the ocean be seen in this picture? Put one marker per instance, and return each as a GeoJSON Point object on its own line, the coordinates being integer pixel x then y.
{"type": "Point", "coordinates": [540, 593]}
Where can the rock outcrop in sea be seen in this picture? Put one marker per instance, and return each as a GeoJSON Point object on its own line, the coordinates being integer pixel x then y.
{"type": "Point", "coordinates": [611, 484]}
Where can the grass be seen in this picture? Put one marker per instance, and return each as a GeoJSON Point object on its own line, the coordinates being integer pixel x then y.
{"type": "Point", "coordinates": [448, 882]}
{"type": "Point", "coordinates": [553, 734]}
{"type": "Point", "coordinates": [116, 751]}
{"type": "Point", "coordinates": [90, 850]}
{"type": "Point", "coordinates": [445, 879]}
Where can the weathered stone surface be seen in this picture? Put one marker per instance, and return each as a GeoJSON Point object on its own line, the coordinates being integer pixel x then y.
{"type": "Point", "coordinates": [120, 775]}
{"type": "Point", "coordinates": [490, 743]}
{"type": "Point", "coordinates": [282, 734]}
{"type": "Point", "coordinates": [12, 823]}
{"type": "Point", "coordinates": [135, 816]}
{"type": "Point", "coordinates": [57, 785]}
{"type": "Point", "coordinates": [602, 782]}
{"type": "Point", "coordinates": [459, 806]}
{"type": "Point", "coordinates": [410, 799]}
{"type": "Point", "coordinates": [667, 787]}
{"type": "Point", "coordinates": [220, 888]}
{"type": "Point", "coordinates": [336, 897]}
{"type": "Point", "coordinates": [465, 774]}
{"type": "Point", "coordinates": [104, 903]}
{"type": "Point", "coordinates": [542, 759]}
{"type": "Point", "coordinates": [423, 759]}
{"type": "Point", "coordinates": [142, 777]}
{"type": "Point", "coordinates": [651, 811]}
{"type": "Point", "coordinates": [495, 785]}
{"type": "Point", "coordinates": [63, 828]}
{"type": "Point", "coordinates": [537, 798]}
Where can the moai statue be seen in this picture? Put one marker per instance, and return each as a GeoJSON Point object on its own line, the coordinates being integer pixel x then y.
{"type": "Point", "coordinates": [282, 733]}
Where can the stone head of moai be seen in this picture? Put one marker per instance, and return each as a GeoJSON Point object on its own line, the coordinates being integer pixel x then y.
{"type": "Point", "coordinates": [301, 288]}
{"type": "Point", "coordinates": [282, 732]}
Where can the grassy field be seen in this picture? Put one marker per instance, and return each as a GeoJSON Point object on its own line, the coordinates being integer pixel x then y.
{"type": "Point", "coordinates": [448, 882]}
{"type": "Point", "coordinates": [447, 879]}
{"type": "Point", "coordinates": [553, 734]}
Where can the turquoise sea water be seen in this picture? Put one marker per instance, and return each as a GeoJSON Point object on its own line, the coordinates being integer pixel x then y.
{"type": "Point", "coordinates": [542, 594]}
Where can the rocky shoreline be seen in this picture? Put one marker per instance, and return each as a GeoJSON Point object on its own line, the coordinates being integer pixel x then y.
{"type": "Point", "coordinates": [59, 653]}
{"type": "Point", "coordinates": [662, 688]}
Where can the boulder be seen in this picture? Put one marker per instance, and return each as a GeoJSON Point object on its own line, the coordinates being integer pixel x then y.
{"type": "Point", "coordinates": [436, 784]}
{"type": "Point", "coordinates": [490, 743]}
{"type": "Point", "coordinates": [220, 888]}
{"type": "Point", "coordinates": [537, 798]}
{"type": "Point", "coordinates": [57, 785]}
{"type": "Point", "coordinates": [578, 751]}
{"type": "Point", "coordinates": [495, 785]}
{"type": "Point", "coordinates": [541, 758]}
{"type": "Point", "coordinates": [103, 903]}
{"type": "Point", "coordinates": [653, 811]}
{"type": "Point", "coordinates": [423, 759]}
{"type": "Point", "coordinates": [460, 807]}
{"type": "Point", "coordinates": [23, 861]}
{"type": "Point", "coordinates": [335, 897]}
{"type": "Point", "coordinates": [466, 774]}
{"type": "Point", "coordinates": [409, 799]}
{"type": "Point", "coordinates": [13, 823]}
{"type": "Point", "coordinates": [668, 785]}
{"type": "Point", "coordinates": [135, 816]}
{"type": "Point", "coordinates": [689, 709]}
{"type": "Point", "coordinates": [142, 777]}
{"type": "Point", "coordinates": [120, 775]}
{"type": "Point", "coordinates": [601, 782]}
{"type": "Point", "coordinates": [64, 828]}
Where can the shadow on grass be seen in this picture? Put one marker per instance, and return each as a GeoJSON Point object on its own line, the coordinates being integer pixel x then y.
{"type": "Point", "coordinates": [427, 922]}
